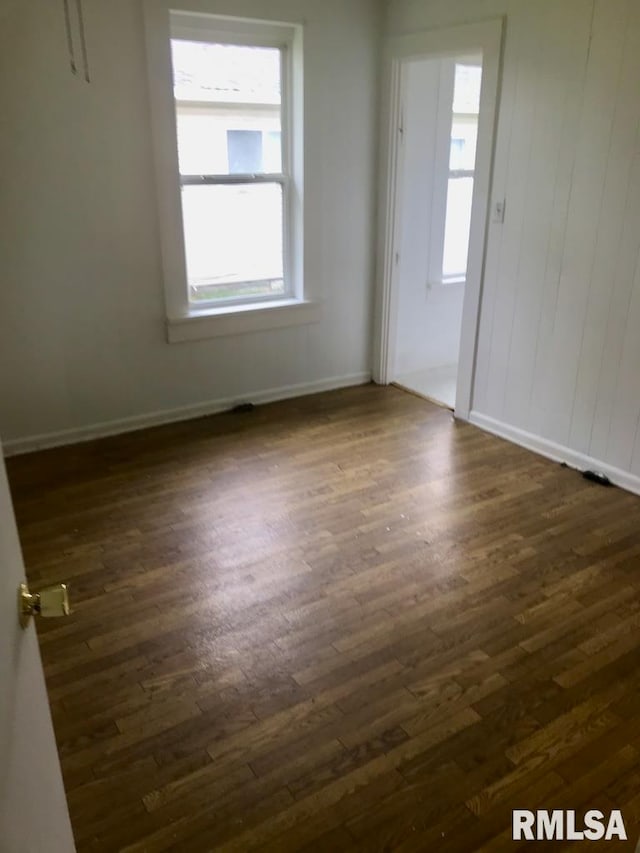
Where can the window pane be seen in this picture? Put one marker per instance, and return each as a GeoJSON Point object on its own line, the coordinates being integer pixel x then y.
{"type": "Point", "coordinates": [457, 227]}
{"type": "Point", "coordinates": [228, 105]}
{"type": "Point", "coordinates": [225, 73]}
{"type": "Point", "coordinates": [233, 240]}
{"type": "Point", "coordinates": [466, 93]}
{"type": "Point", "coordinates": [272, 151]}
{"type": "Point", "coordinates": [210, 144]}
{"type": "Point", "coordinates": [464, 141]}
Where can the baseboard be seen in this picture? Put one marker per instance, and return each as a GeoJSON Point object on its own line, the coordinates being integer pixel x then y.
{"type": "Point", "coordinates": [13, 447]}
{"type": "Point", "coordinates": [557, 452]}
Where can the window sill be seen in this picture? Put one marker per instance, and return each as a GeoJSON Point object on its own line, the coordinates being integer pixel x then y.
{"type": "Point", "coordinates": [241, 319]}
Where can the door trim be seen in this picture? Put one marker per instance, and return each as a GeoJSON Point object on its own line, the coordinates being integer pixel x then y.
{"type": "Point", "coordinates": [485, 37]}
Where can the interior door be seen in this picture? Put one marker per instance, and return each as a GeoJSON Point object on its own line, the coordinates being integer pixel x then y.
{"type": "Point", "coordinates": [33, 811]}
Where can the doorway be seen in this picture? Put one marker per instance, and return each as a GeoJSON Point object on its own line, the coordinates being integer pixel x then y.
{"type": "Point", "coordinates": [441, 105]}
{"type": "Point", "coordinates": [441, 109]}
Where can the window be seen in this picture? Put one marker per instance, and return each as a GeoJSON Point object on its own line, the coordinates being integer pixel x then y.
{"type": "Point", "coordinates": [226, 97]}
{"type": "Point", "coordinates": [233, 169]}
{"type": "Point", "coordinates": [462, 162]}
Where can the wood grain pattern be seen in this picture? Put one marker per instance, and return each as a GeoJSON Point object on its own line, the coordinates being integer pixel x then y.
{"type": "Point", "coordinates": [340, 622]}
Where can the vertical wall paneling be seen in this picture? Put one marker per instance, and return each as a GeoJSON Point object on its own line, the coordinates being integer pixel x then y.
{"type": "Point", "coordinates": [520, 148]}
{"type": "Point", "coordinates": [558, 358]}
{"type": "Point", "coordinates": [553, 133]}
{"type": "Point", "coordinates": [569, 77]}
{"type": "Point", "coordinates": [514, 34]}
{"type": "Point", "coordinates": [608, 239]}
{"type": "Point", "coordinates": [622, 273]}
{"type": "Point", "coordinates": [593, 145]}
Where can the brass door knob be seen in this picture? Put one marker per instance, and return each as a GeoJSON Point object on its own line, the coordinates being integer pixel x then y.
{"type": "Point", "coordinates": [52, 601]}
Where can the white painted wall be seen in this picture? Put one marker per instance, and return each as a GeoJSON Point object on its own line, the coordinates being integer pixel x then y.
{"type": "Point", "coordinates": [81, 303]}
{"type": "Point", "coordinates": [559, 346]}
{"type": "Point", "coordinates": [428, 314]}
{"type": "Point", "coordinates": [429, 335]}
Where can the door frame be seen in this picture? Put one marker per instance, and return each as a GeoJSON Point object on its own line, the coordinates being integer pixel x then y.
{"type": "Point", "coordinates": [486, 38]}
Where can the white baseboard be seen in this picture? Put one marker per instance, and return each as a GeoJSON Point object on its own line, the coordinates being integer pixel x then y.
{"type": "Point", "coordinates": [13, 447]}
{"type": "Point", "coordinates": [557, 452]}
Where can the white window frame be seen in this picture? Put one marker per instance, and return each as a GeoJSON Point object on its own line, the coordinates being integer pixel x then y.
{"type": "Point", "coordinates": [165, 20]}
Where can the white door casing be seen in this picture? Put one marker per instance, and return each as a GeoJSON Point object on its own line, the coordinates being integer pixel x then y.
{"type": "Point", "coordinates": [33, 810]}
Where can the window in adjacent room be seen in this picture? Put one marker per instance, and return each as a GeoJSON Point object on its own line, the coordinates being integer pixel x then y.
{"type": "Point", "coordinates": [462, 163]}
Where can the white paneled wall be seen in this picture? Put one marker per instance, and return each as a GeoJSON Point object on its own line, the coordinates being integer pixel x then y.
{"type": "Point", "coordinates": [82, 339]}
{"type": "Point", "coordinates": [558, 364]}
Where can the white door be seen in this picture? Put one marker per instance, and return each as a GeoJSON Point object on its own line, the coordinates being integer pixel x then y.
{"type": "Point", "coordinates": [33, 810]}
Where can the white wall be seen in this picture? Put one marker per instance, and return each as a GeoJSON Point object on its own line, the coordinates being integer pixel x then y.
{"type": "Point", "coordinates": [429, 322]}
{"type": "Point", "coordinates": [428, 314]}
{"type": "Point", "coordinates": [559, 344]}
{"type": "Point", "coordinates": [81, 303]}
{"type": "Point", "coordinates": [421, 85]}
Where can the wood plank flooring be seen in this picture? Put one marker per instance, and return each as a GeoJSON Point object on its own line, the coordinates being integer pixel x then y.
{"type": "Point", "coordinates": [344, 622]}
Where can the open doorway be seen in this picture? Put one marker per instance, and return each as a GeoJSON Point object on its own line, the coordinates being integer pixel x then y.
{"type": "Point", "coordinates": [442, 103]}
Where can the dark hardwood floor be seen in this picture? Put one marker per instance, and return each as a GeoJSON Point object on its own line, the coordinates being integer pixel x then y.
{"type": "Point", "coordinates": [344, 622]}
